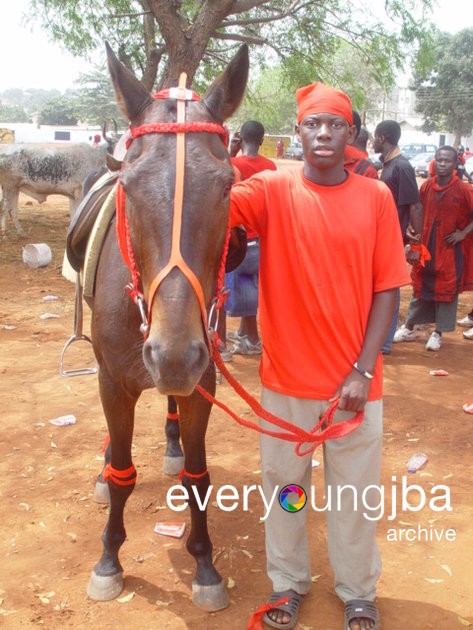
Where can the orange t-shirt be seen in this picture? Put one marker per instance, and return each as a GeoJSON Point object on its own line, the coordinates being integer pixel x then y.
{"type": "Point", "coordinates": [324, 251]}
{"type": "Point", "coordinates": [248, 166]}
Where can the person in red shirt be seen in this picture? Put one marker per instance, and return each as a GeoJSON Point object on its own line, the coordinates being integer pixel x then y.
{"type": "Point", "coordinates": [280, 149]}
{"type": "Point", "coordinates": [243, 282]}
{"type": "Point", "coordinates": [331, 253]}
{"type": "Point", "coordinates": [447, 220]}
{"type": "Point", "coordinates": [356, 155]}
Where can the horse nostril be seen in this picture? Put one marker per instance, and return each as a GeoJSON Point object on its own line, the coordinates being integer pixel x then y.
{"type": "Point", "coordinates": [200, 354]}
{"type": "Point", "coordinates": [150, 354]}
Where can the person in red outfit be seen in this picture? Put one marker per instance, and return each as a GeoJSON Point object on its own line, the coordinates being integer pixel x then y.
{"type": "Point", "coordinates": [243, 282]}
{"type": "Point", "coordinates": [279, 149]}
{"type": "Point", "coordinates": [447, 220]}
{"type": "Point", "coordinates": [331, 253]}
{"type": "Point", "coordinates": [356, 155]}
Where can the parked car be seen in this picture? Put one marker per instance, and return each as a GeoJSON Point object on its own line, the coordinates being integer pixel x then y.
{"type": "Point", "coordinates": [411, 150]}
{"type": "Point", "coordinates": [421, 163]}
{"type": "Point", "coordinates": [294, 151]}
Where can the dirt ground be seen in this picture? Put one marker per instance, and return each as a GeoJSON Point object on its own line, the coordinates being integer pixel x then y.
{"type": "Point", "coordinates": [50, 527]}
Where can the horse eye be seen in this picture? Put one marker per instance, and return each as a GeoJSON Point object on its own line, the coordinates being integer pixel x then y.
{"type": "Point", "coordinates": [226, 191]}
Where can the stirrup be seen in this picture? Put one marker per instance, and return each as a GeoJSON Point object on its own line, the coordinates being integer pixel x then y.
{"type": "Point", "coordinates": [77, 336]}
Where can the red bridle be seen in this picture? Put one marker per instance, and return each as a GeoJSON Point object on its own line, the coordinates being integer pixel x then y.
{"type": "Point", "coordinates": [180, 128]}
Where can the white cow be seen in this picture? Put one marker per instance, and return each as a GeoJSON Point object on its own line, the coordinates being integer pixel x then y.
{"type": "Point", "coordinates": [39, 170]}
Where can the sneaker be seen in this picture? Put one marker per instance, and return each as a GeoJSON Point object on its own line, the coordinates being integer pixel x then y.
{"type": "Point", "coordinates": [235, 337]}
{"type": "Point", "coordinates": [404, 334]}
{"type": "Point", "coordinates": [434, 342]}
{"type": "Point", "coordinates": [466, 322]}
{"type": "Point", "coordinates": [244, 346]}
{"type": "Point", "coordinates": [468, 334]}
{"type": "Point", "coordinates": [227, 355]}
{"type": "Point", "coordinates": [468, 407]}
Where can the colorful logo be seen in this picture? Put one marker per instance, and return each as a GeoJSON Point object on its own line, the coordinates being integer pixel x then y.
{"type": "Point", "coordinates": [292, 498]}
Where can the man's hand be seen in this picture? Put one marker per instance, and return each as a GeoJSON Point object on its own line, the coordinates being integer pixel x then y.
{"type": "Point", "coordinates": [353, 392]}
{"type": "Point", "coordinates": [455, 237]}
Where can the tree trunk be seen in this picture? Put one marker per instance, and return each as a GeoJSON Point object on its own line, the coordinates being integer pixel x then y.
{"type": "Point", "coordinates": [186, 42]}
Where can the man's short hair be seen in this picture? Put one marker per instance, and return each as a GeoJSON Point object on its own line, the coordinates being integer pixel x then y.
{"type": "Point", "coordinates": [447, 147]}
{"type": "Point", "coordinates": [390, 130]}
{"type": "Point", "coordinates": [252, 131]}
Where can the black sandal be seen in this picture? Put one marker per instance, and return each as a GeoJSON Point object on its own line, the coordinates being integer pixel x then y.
{"type": "Point", "coordinates": [361, 609]}
{"type": "Point", "coordinates": [291, 607]}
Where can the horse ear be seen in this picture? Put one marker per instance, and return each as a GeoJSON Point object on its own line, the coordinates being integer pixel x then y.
{"type": "Point", "coordinates": [132, 96]}
{"type": "Point", "coordinates": [227, 91]}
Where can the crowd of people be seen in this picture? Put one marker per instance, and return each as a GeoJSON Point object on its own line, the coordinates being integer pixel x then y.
{"type": "Point", "coordinates": [328, 244]}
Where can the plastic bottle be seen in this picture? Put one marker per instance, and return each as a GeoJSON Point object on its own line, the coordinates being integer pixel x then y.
{"type": "Point", "coordinates": [416, 462]}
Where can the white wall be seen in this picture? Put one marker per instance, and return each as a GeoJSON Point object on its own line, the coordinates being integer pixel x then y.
{"type": "Point", "coordinates": [30, 132]}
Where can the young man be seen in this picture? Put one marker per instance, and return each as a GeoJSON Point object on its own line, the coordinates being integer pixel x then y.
{"type": "Point", "coordinates": [447, 205]}
{"type": "Point", "coordinates": [356, 156]}
{"type": "Point", "coordinates": [331, 252]}
{"type": "Point", "coordinates": [398, 174]}
{"type": "Point", "coordinates": [243, 282]}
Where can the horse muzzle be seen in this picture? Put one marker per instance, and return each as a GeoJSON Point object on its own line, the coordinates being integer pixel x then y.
{"type": "Point", "coordinates": [175, 365]}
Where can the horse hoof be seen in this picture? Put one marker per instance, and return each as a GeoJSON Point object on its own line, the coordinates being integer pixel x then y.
{"type": "Point", "coordinates": [173, 465]}
{"type": "Point", "coordinates": [210, 598]}
{"type": "Point", "coordinates": [101, 493]}
{"type": "Point", "coordinates": [102, 588]}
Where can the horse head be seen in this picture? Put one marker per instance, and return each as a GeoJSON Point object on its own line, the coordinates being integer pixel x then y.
{"type": "Point", "coordinates": [177, 212]}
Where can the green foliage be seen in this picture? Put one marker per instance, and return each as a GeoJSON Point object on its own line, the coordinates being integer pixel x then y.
{"type": "Point", "coordinates": [151, 35]}
{"type": "Point", "coordinates": [444, 85]}
{"type": "Point", "coordinates": [95, 101]}
{"type": "Point", "coordinates": [13, 114]}
{"type": "Point", "coordinates": [58, 111]}
{"type": "Point", "coordinates": [271, 101]}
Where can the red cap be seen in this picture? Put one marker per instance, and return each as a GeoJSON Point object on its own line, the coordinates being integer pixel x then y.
{"type": "Point", "coordinates": [318, 98]}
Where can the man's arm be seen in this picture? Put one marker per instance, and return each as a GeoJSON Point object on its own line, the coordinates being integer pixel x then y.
{"type": "Point", "coordinates": [355, 389]}
{"type": "Point", "coordinates": [415, 222]}
{"type": "Point", "coordinates": [459, 235]}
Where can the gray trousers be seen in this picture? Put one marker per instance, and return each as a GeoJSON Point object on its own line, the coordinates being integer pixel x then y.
{"type": "Point", "coordinates": [354, 460]}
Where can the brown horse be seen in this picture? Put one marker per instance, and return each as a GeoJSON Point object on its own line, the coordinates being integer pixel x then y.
{"type": "Point", "coordinates": [174, 356]}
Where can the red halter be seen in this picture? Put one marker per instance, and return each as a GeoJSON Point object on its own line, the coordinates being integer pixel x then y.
{"type": "Point", "coordinates": [180, 128]}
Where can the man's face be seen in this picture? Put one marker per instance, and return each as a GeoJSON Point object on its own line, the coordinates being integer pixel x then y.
{"type": "Point", "coordinates": [445, 162]}
{"type": "Point", "coordinates": [378, 143]}
{"type": "Point", "coordinates": [323, 138]}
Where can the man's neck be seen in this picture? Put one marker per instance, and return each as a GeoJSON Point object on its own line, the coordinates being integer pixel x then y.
{"type": "Point", "coordinates": [445, 180]}
{"type": "Point", "coordinates": [388, 151]}
{"type": "Point", "coordinates": [250, 150]}
{"type": "Point", "coordinates": [325, 177]}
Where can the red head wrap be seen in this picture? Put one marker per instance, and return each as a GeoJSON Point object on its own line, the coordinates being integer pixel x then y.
{"type": "Point", "coordinates": [318, 98]}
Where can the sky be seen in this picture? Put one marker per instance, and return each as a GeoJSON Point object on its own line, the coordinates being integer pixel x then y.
{"type": "Point", "coordinates": [29, 60]}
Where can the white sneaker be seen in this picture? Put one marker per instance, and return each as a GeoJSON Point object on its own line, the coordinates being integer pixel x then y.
{"type": "Point", "coordinates": [404, 334]}
{"type": "Point", "coordinates": [468, 334]}
{"type": "Point", "coordinates": [466, 322]}
{"type": "Point", "coordinates": [434, 342]}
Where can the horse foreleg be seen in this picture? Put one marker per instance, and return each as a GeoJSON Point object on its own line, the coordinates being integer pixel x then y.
{"type": "Point", "coordinates": [106, 581]}
{"type": "Point", "coordinates": [101, 491]}
{"type": "Point", "coordinates": [174, 457]}
{"type": "Point", "coordinates": [208, 589]}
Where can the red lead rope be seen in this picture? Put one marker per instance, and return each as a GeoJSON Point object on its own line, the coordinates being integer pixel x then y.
{"type": "Point", "coordinates": [322, 431]}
